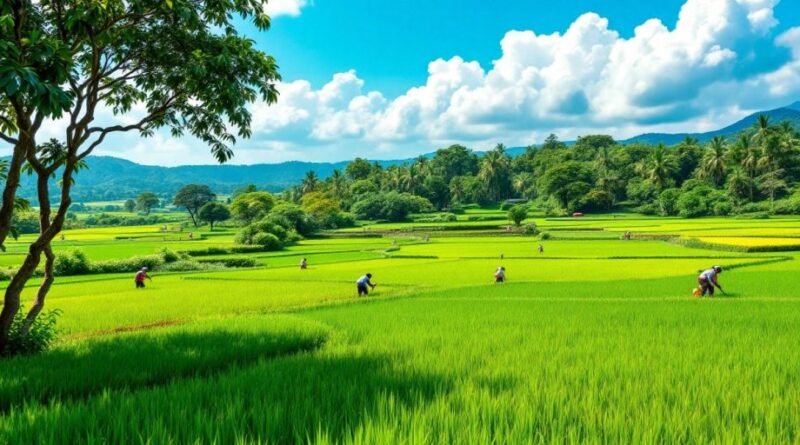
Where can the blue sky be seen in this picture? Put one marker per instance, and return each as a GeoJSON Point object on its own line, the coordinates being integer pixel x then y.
{"type": "Point", "coordinates": [393, 79]}
{"type": "Point", "coordinates": [390, 43]}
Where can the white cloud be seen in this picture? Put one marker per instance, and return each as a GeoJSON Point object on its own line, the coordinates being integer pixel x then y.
{"type": "Point", "coordinates": [696, 74]}
{"type": "Point", "coordinates": [275, 8]}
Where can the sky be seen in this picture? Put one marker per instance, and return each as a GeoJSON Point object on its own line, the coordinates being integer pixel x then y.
{"type": "Point", "coordinates": [395, 79]}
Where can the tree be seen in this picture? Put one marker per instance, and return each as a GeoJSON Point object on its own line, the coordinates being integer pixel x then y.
{"type": "Point", "coordinates": [658, 168]}
{"type": "Point", "coordinates": [455, 160]}
{"type": "Point", "coordinates": [712, 166]}
{"type": "Point", "coordinates": [213, 212]}
{"type": "Point", "coordinates": [771, 183]}
{"type": "Point", "coordinates": [192, 197]}
{"type": "Point", "coordinates": [358, 169]}
{"type": "Point", "coordinates": [310, 182]}
{"type": "Point", "coordinates": [567, 182]}
{"type": "Point", "coordinates": [517, 214]}
{"type": "Point", "coordinates": [146, 201]}
{"type": "Point", "coordinates": [252, 206]}
{"type": "Point", "coordinates": [495, 172]}
{"type": "Point", "coordinates": [130, 205]}
{"type": "Point", "coordinates": [180, 63]}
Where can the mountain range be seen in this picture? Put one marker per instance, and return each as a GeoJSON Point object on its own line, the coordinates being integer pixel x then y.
{"type": "Point", "coordinates": [110, 178]}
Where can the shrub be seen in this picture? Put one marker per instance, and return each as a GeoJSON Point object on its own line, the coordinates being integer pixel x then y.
{"type": "Point", "coordinates": [232, 262]}
{"type": "Point", "coordinates": [41, 335]}
{"type": "Point", "coordinates": [530, 229]}
{"type": "Point", "coordinates": [267, 241]}
{"type": "Point", "coordinates": [456, 209]}
{"type": "Point", "coordinates": [390, 206]}
{"type": "Point", "coordinates": [131, 264]}
{"type": "Point", "coordinates": [73, 262]}
{"type": "Point", "coordinates": [517, 214]}
{"type": "Point", "coordinates": [544, 236]}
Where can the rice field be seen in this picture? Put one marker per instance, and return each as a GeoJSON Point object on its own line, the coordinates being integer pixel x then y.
{"type": "Point", "coordinates": [597, 339]}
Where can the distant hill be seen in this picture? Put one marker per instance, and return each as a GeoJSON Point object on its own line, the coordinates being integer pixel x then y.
{"type": "Point", "coordinates": [789, 113]}
{"type": "Point", "coordinates": [110, 178]}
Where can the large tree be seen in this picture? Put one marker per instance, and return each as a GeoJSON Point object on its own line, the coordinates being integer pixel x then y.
{"type": "Point", "coordinates": [146, 201]}
{"type": "Point", "coordinates": [193, 197]}
{"type": "Point", "coordinates": [495, 172]}
{"type": "Point", "coordinates": [178, 64]}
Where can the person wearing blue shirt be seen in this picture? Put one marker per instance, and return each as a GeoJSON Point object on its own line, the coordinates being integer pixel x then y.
{"type": "Point", "coordinates": [362, 284]}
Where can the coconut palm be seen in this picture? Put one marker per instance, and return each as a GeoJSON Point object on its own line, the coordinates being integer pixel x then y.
{"type": "Point", "coordinates": [659, 167]}
{"type": "Point", "coordinates": [771, 183]}
{"type": "Point", "coordinates": [712, 166]}
{"type": "Point", "coordinates": [310, 182]}
{"type": "Point", "coordinates": [495, 171]}
{"type": "Point", "coordinates": [338, 184]}
{"type": "Point", "coordinates": [747, 155]}
{"type": "Point", "coordinates": [411, 179]}
{"type": "Point", "coordinates": [739, 184]}
{"type": "Point", "coordinates": [762, 129]}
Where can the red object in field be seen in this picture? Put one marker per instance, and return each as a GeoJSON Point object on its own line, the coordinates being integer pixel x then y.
{"type": "Point", "coordinates": [577, 214]}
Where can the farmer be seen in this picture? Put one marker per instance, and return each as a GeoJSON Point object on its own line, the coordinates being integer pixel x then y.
{"type": "Point", "coordinates": [303, 264]}
{"type": "Point", "coordinates": [500, 275]}
{"type": "Point", "coordinates": [140, 276]}
{"type": "Point", "coordinates": [541, 249]}
{"type": "Point", "coordinates": [362, 284]}
{"type": "Point", "coordinates": [708, 280]}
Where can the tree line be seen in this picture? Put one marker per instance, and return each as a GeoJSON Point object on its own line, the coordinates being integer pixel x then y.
{"type": "Point", "coordinates": [755, 171]}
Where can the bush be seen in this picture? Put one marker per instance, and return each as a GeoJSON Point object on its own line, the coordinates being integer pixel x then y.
{"type": "Point", "coordinates": [544, 236]}
{"type": "Point", "coordinates": [267, 241]}
{"type": "Point", "coordinates": [456, 209]}
{"type": "Point", "coordinates": [390, 206]}
{"type": "Point", "coordinates": [232, 262]}
{"type": "Point", "coordinates": [530, 229]}
{"type": "Point", "coordinates": [73, 262]}
{"type": "Point", "coordinates": [41, 335]}
{"type": "Point", "coordinates": [517, 214]}
{"type": "Point", "coordinates": [127, 265]}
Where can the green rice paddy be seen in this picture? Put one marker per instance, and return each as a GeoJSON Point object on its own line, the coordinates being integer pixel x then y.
{"type": "Point", "coordinates": [597, 339]}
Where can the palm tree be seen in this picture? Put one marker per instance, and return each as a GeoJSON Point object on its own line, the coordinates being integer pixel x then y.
{"type": "Point", "coordinates": [603, 161]}
{"type": "Point", "coordinates": [761, 127]}
{"type": "Point", "coordinates": [411, 179]}
{"type": "Point", "coordinates": [771, 183]}
{"type": "Point", "coordinates": [747, 155]}
{"type": "Point", "coordinates": [659, 167]}
{"type": "Point", "coordinates": [338, 182]}
{"type": "Point", "coordinates": [522, 184]}
{"type": "Point", "coordinates": [310, 182]}
{"type": "Point", "coordinates": [494, 172]}
{"type": "Point", "coordinates": [457, 189]}
{"type": "Point", "coordinates": [713, 165]}
{"type": "Point", "coordinates": [739, 183]}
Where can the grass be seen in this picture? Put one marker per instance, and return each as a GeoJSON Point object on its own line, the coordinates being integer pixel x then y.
{"type": "Point", "coordinates": [596, 340]}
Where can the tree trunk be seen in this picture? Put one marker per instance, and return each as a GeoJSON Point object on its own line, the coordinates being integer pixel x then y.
{"type": "Point", "coordinates": [12, 183]}
{"type": "Point", "coordinates": [194, 219]}
{"type": "Point", "coordinates": [48, 231]}
{"type": "Point", "coordinates": [44, 288]}
{"type": "Point", "coordinates": [14, 290]}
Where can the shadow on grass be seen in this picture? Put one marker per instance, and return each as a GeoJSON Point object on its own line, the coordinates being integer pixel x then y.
{"type": "Point", "coordinates": [313, 397]}
{"type": "Point", "coordinates": [143, 359]}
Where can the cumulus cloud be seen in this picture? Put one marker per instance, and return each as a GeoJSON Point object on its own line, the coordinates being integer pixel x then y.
{"type": "Point", "coordinates": [275, 8]}
{"type": "Point", "coordinates": [697, 73]}
{"type": "Point", "coordinates": [586, 78]}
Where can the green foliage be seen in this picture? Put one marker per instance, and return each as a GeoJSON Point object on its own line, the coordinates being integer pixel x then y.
{"type": "Point", "coordinates": [192, 197]}
{"type": "Point", "coordinates": [73, 262]}
{"type": "Point", "coordinates": [146, 202]}
{"type": "Point", "coordinates": [390, 206]}
{"type": "Point", "coordinates": [249, 207]}
{"type": "Point", "coordinates": [517, 214]}
{"type": "Point", "coordinates": [213, 212]}
{"type": "Point", "coordinates": [41, 334]}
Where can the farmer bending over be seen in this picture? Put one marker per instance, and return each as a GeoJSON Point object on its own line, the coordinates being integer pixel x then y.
{"type": "Point", "coordinates": [500, 275]}
{"type": "Point", "coordinates": [708, 280]}
{"type": "Point", "coordinates": [140, 276]}
{"type": "Point", "coordinates": [362, 284]}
